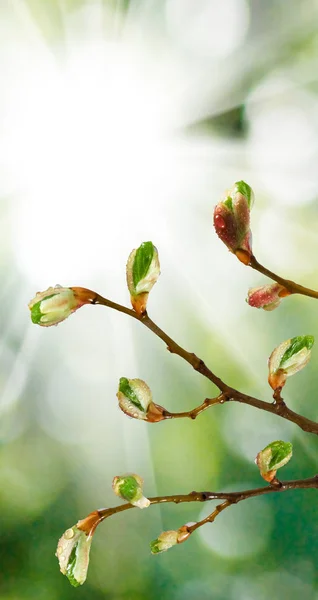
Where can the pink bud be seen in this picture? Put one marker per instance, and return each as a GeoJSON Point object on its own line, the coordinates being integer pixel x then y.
{"type": "Point", "coordinates": [267, 297]}
{"type": "Point", "coordinates": [232, 220]}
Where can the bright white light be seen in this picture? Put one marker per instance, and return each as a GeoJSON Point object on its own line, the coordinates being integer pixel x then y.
{"type": "Point", "coordinates": [87, 144]}
{"type": "Point", "coordinates": [283, 140]}
{"type": "Point", "coordinates": [208, 27]}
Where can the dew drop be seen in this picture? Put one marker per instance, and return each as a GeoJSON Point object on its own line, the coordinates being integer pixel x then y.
{"type": "Point", "coordinates": [219, 222]}
{"type": "Point", "coordinates": [69, 533]}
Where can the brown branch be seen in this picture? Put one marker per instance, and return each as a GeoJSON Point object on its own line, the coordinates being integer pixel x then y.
{"type": "Point", "coordinates": [291, 286]}
{"type": "Point", "coordinates": [228, 393]}
{"type": "Point", "coordinates": [192, 414]}
{"type": "Point", "coordinates": [90, 523]}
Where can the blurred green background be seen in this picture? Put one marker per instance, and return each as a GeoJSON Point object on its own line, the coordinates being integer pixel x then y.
{"type": "Point", "coordinates": [123, 121]}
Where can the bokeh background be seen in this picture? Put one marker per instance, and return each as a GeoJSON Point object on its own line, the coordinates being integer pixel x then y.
{"type": "Point", "coordinates": [123, 121]}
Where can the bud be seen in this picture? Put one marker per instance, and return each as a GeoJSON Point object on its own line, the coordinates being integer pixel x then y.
{"type": "Point", "coordinates": [135, 400]}
{"type": "Point", "coordinates": [288, 358]}
{"type": "Point", "coordinates": [129, 487]}
{"type": "Point", "coordinates": [56, 304]}
{"type": "Point", "coordinates": [267, 297]}
{"type": "Point", "coordinates": [142, 271]}
{"type": "Point", "coordinates": [232, 220]}
{"type": "Point", "coordinates": [167, 539]}
{"type": "Point", "coordinates": [73, 555]}
{"type": "Point", "coordinates": [272, 458]}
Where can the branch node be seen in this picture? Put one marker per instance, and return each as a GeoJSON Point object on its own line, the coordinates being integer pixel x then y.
{"type": "Point", "coordinates": [275, 483]}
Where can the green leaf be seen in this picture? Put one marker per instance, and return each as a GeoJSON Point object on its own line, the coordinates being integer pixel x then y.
{"type": "Point", "coordinates": [246, 191]}
{"type": "Point", "coordinates": [128, 488]}
{"type": "Point", "coordinates": [36, 313]}
{"type": "Point", "coordinates": [229, 203]}
{"type": "Point", "coordinates": [36, 310]}
{"type": "Point", "coordinates": [296, 345]}
{"type": "Point", "coordinates": [125, 389]}
{"type": "Point", "coordinates": [155, 546]}
{"type": "Point", "coordinates": [281, 453]}
{"type": "Point", "coordinates": [70, 569]}
{"type": "Point", "coordinates": [142, 262]}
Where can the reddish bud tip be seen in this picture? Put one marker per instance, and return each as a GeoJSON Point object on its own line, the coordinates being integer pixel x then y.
{"type": "Point", "coordinates": [232, 220]}
{"type": "Point", "coordinates": [267, 297]}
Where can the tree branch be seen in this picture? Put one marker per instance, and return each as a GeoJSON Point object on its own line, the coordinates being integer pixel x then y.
{"type": "Point", "coordinates": [90, 523]}
{"type": "Point", "coordinates": [291, 286]}
{"type": "Point", "coordinates": [228, 393]}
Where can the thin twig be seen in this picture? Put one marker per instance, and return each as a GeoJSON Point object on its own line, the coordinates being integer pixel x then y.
{"type": "Point", "coordinates": [291, 286]}
{"type": "Point", "coordinates": [192, 414]}
{"type": "Point", "coordinates": [90, 523]}
{"type": "Point", "coordinates": [229, 393]}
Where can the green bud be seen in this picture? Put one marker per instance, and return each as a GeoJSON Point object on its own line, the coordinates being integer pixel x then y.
{"type": "Point", "coordinates": [129, 487]}
{"type": "Point", "coordinates": [56, 304]}
{"type": "Point", "coordinates": [243, 188]}
{"type": "Point", "coordinates": [135, 400]}
{"type": "Point", "coordinates": [142, 271]}
{"type": "Point", "coordinates": [273, 457]}
{"type": "Point", "coordinates": [164, 542]}
{"type": "Point", "coordinates": [167, 539]}
{"type": "Point", "coordinates": [73, 555]}
{"type": "Point", "coordinates": [288, 358]}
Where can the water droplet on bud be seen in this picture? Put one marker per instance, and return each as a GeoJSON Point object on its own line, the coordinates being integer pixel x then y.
{"type": "Point", "coordinates": [69, 533]}
{"type": "Point", "coordinates": [219, 222]}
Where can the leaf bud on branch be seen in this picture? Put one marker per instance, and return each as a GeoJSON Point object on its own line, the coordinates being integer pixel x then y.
{"type": "Point", "coordinates": [288, 358]}
{"type": "Point", "coordinates": [232, 220]}
{"type": "Point", "coordinates": [56, 304]}
{"type": "Point", "coordinates": [267, 297]}
{"type": "Point", "coordinates": [73, 555]}
{"type": "Point", "coordinates": [135, 400]}
{"type": "Point", "coordinates": [168, 539]}
{"type": "Point", "coordinates": [129, 487]}
{"type": "Point", "coordinates": [142, 271]}
{"type": "Point", "coordinates": [272, 458]}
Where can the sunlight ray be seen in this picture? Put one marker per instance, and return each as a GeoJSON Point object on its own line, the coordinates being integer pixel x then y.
{"type": "Point", "coordinates": [20, 370]}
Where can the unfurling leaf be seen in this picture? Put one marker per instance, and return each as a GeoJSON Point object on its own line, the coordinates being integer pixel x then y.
{"type": "Point", "coordinates": [135, 400]}
{"type": "Point", "coordinates": [73, 555]}
{"type": "Point", "coordinates": [142, 271]}
{"type": "Point", "coordinates": [232, 220]}
{"type": "Point", "coordinates": [288, 358]}
{"type": "Point", "coordinates": [273, 457]}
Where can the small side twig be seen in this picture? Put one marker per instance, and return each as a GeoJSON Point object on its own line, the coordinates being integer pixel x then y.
{"type": "Point", "coordinates": [277, 408]}
{"type": "Point", "coordinates": [90, 523]}
{"type": "Point", "coordinates": [192, 414]}
{"type": "Point", "coordinates": [291, 286]}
